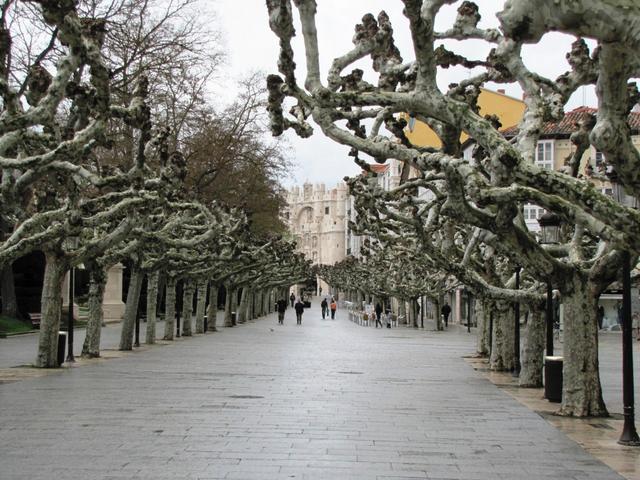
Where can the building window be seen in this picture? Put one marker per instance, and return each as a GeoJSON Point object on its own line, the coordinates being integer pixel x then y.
{"type": "Point", "coordinates": [315, 256]}
{"type": "Point", "coordinates": [598, 160]}
{"type": "Point", "coordinates": [326, 210]}
{"type": "Point", "coordinates": [532, 212]}
{"type": "Point", "coordinates": [544, 154]}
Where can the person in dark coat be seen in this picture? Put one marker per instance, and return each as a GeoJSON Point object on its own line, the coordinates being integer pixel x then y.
{"type": "Point", "coordinates": [292, 298]}
{"type": "Point", "coordinates": [281, 306]}
{"type": "Point", "coordinates": [378, 314]}
{"type": "Point", "coordinates": [325, 307]}
{"type": "Point", "coordinates": [600, 316]}
{"type": "Point", "coordinates": [299, 306]}
{"type": "Point", "coordinates": [445, 311]}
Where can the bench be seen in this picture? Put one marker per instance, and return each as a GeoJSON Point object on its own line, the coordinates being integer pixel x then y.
{"type": "Point", "coordinates": [35, 319]}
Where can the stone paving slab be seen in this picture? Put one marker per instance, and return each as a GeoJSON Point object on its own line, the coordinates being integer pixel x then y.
{"type": "Point", "coordinates": [325, 400]}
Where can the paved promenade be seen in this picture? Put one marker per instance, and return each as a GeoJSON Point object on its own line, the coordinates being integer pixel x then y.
{"type": "Point", "coordinates": [325, 400]}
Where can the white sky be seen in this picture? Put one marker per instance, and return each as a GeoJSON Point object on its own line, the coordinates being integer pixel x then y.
{"type": "Point", "coordinates": [252, 46]}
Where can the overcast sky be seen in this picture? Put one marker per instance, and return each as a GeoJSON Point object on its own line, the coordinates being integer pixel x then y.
{"type": "Point", "coordinates": [252, 46]}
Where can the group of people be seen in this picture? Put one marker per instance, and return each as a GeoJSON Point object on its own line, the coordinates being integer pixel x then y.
{"type": "Point", "coordinates": [329, 307]}
{"type": "Point", "coordinates": [298, 306]}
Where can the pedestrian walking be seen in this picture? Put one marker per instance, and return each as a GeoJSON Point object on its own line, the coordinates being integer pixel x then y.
{"type": "Point", "coordinates": [292, 298]}
{"type": "Point", "coordinates": [445, 311]}
{"type": "Point", "coordinates": [378, 314]}
{"type": "Point", "coordinates": [299, 306]}
{"type": "Point", "coordinates": [325, 307]}
{"type": "Point", "coordinates": [619, 310]}
{"type": "Point", "coordinates": [600, 317]}
{"type": "Point", "coordinates": [281, 306]}
{"type": "Point", "coordinates": [333, 306]}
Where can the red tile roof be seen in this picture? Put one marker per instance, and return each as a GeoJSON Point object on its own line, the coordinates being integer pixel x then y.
{"type": "Point", "coordinates": [568, 124]}
{"type": "Point", "coordinates": [378, 168]}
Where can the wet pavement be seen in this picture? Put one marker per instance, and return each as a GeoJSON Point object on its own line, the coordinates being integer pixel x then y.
{"type": "Point", "coordinates": [327, 400]}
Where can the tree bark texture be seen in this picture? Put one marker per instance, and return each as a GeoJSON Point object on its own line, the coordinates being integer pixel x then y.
{"type": "Point", "coordinates": [533, 351]}
{"type": "Point", "coordinates": [212, 310]}
{"type": "Point", "coordinates": [228, 322]}
{"type": "Point", "coordinates": [51, 308]}
{"type": "Point", "coordinates": [170, 309]}
{"type": "Point", "coordinates": [8, 292]}
{"type": "Point", "coordinates": [502, 352]}
{"type": "Point", "coordinates": [201, 306]}
{"type": "Point", "coordinates": [581, 389]}
{"type": "Point", "coordinates": [243, 307]}
{"type": "Point", "coordinates": [131, 309]}
{"type": "Point", "coordinates": [97, 284]}
{"type": "Point", "coordinates": [414, 312]}
{"type": "Point", "coordinates": [234, 306]}
{"type": "Point", "coordinates": [187, 307]}
{"type": "Point", "coordinates": [152, 306]}
{"type": "Point", "coordinates": [482, 347]}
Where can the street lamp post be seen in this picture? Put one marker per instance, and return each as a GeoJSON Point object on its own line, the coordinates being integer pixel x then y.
{"type": "Point", "coordinates": [468, 312]}
{"type": "Point", "coordinates": [516, 339]}
{"type": "Point", "coordinates": [549, 235]}
{"type": "Point", "coordinates": [70, 357]}
{"type": "Point", "coordinates": [72, 244]}
{"type": "Point", "coordinates": [629, 434]}
{"type": "Point", "coordinates": [178, 306]}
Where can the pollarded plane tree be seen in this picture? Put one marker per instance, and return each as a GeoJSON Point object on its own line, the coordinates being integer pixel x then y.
{"type": "Point", "coordinates": [178, 243]}
{"type": "Point", "coordinates": [272, 269]}
{"type": "Point", "coordinates": [487, 192]}
{"type": "Point", "coordinates": [255, 268]}
{"type": "Point", "coordinates": [51, 188]}
{"type": "Point", "coordinates": [33, 143]}
{"type": "Point", "coordinates": [440, 249]}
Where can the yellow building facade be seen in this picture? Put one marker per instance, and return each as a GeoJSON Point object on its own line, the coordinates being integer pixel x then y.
{"type": "Point", "coordinates": [508, 109]}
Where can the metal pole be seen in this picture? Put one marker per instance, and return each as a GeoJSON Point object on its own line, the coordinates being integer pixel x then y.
{"type": "Point", "coordinates": [549, 320]}
{"type": "Point", "coordinates": [178, 306]}
{"type": "Point", "coordinates": [629, 434]}
{"type": "Point", "coordinates": [491, 331]}
{"type": "Point", "coordinates": [468, 312]}
{"type": "Point", "coordinates": [421, 312]}
{"type": "Point", "coordinates": [70, 357]}
{"type": "Point", "coordinates": [516, 339]}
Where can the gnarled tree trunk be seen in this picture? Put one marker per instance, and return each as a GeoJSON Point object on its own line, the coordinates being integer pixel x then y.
{"type": "Point", "coordinates": [212, 310]}
{"type": "Point", "coordinates": [482, 346]}
{"type": "Point", "coordinates": [187, 307]}
{"type": "Point", "coordinates": [152, 304]}
{"type": "Point", "coordinates": [414, 312]}
{"type": "Point", "coordinates": [533, 351]}
{"type": "Point", "coordinates": [170, 309]}
{"type": "Point", "coordinates": [97, 283]}
{"type": "Point", "coordinates": [131, 309]}
{"type": "Point", "coordinates": [502, 351]}
{"type": "Point", "coordinates": [51, 307]}
{"type": "Point", "coordinates": [8, 292]}
{"type": "Point", "coordinates": [581, 389]}
{"type": "Point", "coordinates": [201, 305]}
{"type": "Point", "coordinates": [242, 308]}
{"type": "Point", "coordinates": [228, 321]}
